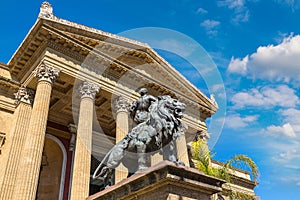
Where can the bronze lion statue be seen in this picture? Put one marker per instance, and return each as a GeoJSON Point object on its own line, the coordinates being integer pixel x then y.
{"type": "Point", "coordinates": [161, 129]}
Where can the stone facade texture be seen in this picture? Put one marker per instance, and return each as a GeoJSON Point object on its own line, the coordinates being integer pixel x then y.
{"type": "Point", "coordinates": [39, 99]}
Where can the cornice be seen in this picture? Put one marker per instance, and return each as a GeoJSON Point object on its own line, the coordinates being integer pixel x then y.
{"type": "Point", "coordinates": [44, 27]}
{"type": "Point", "coordinates": [6, 82]}
{"type": "Point", "coordinates": [46, 12]}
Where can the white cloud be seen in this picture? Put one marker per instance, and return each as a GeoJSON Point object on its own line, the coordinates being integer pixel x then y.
{"type": "Point", "coordinates": [241, 12]}
{"type": "Point", "coordinates": [202, 11]}
{"type": "Point", "coordinates": [219, 59]}
{"type": "Point", "coordinates": [287, 154]}
{"type": "Point", "coordinates": [210, 26]}
{"type": "Point", "coordinates": [292, 116]}
{"type": "Point", "coordinates": [238, 65]}
{"type": "Point", "coordinates": [286, 130]}
{"type": "Point", "coordinates": [284, 152]}
{"type": "Point", "coordinates": [293, 4]}
{"type": "Point", "coordinates": [217, 87]}
{"type": "Point", "coordinates": [232, 4]}
{"type": "Point", "coordinates": [267, 97]}
{"type": "Point", "coordinates": [290, 127]}
{"type": "Point", "coordinates": [274, 62]}
{"type": "Point", "coordinates": [235, 121]}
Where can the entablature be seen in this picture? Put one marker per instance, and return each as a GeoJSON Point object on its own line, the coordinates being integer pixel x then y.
{"type": "Point", "coordinates": [107, 60]}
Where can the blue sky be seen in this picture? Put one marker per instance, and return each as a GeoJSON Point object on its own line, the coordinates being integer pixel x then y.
{"type": "Point", "coordinates": [255, 45]}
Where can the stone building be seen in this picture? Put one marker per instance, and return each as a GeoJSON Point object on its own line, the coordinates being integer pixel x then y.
{"type": "Point", "coordinates": [64, 98]}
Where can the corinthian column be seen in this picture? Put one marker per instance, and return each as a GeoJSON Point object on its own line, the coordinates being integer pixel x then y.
{"type": "Point", "coordinates": [32, 153]}
{"type": "Point", "coordinates": [82, 159]}
{"type": "Point", "coordinates": [182, 151]}
{"type": "Point", "coordinates": [121, 106]}
{"type": "Point", "coordinates": [21, 120]}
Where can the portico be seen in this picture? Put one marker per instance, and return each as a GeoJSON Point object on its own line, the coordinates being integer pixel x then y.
{"type": "Point", "coordinates": [87, 78]}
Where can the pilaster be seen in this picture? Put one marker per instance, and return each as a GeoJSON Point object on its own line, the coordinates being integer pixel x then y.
{"type": "Point", "coordinates": [121, 107]}
{"type": "Point", "coordinates": [82, 159]}
{"type": "Point", "coordinates": [22, 114]}
{"type": "Point", "coordinates": [32, 153]}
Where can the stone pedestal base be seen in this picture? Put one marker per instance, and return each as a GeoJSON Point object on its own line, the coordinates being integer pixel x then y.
{"type": "Point", "coordinates": [164, 181]}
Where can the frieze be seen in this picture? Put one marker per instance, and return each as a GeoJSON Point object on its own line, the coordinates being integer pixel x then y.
{"type": "Point", "coordinates": [66, 51]}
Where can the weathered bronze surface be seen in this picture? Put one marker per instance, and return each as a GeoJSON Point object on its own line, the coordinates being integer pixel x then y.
{"type": "Point", "coordinates": [158, 131]}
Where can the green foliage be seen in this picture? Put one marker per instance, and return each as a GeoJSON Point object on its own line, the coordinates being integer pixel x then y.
{"type": "Point", "coordinates": [202, 155]}
{"type": "Point", "coordinates": [246, 160]}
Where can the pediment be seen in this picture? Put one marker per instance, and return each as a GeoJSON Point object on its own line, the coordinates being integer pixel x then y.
{"type": "Point", "coordinates": [119, 58]}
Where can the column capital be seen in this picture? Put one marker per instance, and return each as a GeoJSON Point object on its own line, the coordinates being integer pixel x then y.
{"type": "Point", "coordinates": [121, 104]}
{"type": "Point", "coordinates": [45, 72]}
{"type": "Point", "coordinates": [72, 128]}
{"type": "Point", "coordinates": [89, 90]}
{"type": "Point", "coordinates": [202, 135]}
{"type": "Point", "coordinates": [24, 95]}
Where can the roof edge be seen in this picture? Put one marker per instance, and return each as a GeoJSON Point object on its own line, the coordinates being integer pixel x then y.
{"type": "Point", "coordinates": [46, 12]}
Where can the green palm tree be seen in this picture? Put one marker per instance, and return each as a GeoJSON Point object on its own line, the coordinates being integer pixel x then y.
{"type": "Point", "coordinates": [203, 156]}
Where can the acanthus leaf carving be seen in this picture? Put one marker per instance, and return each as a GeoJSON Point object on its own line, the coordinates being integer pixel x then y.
{"type": "Point", "coordinates": [121, 104]}
{"type": "Point", "coordinates": [46, 73]}
{"type": "Point", "coordinates": [87, 89]}
{"type": "Point", "coordinates": [24, 95]}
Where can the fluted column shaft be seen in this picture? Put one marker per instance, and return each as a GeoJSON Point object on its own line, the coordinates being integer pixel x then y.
{"type": "Point", "coordinates": [181, 148]}
{"type": "Point", "coordinates": [82, 159]}
{"type": "Point", "coordinates": [19, 131]}
{"type": "Point", "coordinates": [32, 154]}
{"type": "Point", "coordinates": [121, 106]}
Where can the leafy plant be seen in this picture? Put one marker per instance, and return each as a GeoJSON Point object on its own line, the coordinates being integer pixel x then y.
{"type": "Point", "coordinates": [203, 156]}
{"type": "Point", "coordinates": [247, 161]}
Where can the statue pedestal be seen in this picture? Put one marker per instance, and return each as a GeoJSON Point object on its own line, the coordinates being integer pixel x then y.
{"type": "Point", "coordinates": [165, 180]}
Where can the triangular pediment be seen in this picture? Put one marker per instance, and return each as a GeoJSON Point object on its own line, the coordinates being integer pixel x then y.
{"type": "Point", "coordinates": [120, 58]}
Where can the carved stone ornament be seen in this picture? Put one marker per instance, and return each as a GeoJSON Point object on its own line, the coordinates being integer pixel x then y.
{"type": "Point", "coordinates": [46, 10]}
{"type": "Point", "coordinates": [87, 89]}
{"type": "Point", "coordinates": [24, 95]}
{"type": "Point", "coordinates": [73, 131]}
{"type": "Point", "coordinates": [46, 73]}
{"type": "Point", "coordinates": [213, 100]}
{"type": "Point", "coordinates": [202, 135]}
{"type": "Point", "coordinates": [121, 104]}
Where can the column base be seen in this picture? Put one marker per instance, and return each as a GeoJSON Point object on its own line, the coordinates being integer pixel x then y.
{"type": "Point", "coordinates": [165, 180]}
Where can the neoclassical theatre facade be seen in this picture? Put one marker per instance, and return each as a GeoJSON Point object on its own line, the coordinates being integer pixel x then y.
{"type": "Point", "coordinates": [64, 99]}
